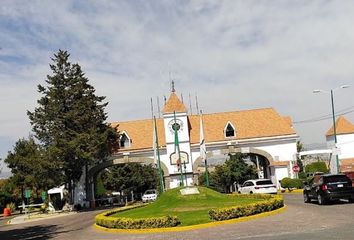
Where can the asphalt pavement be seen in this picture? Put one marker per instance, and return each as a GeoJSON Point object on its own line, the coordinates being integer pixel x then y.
{"type": "Point", "coordinates": [298, 221]}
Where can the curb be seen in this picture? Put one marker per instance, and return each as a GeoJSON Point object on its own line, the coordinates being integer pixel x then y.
{"type": "Point", "coordinates": [192, 227]}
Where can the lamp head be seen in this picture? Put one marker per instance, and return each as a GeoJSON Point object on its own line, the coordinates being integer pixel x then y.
{"type": "Point", "coordinates": [345, 86]}
{"type": "Point", "coordinates": [316, 91]}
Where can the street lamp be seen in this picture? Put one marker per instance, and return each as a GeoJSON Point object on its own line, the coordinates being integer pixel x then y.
{"type": "Point", "coordinates": [333, 116]}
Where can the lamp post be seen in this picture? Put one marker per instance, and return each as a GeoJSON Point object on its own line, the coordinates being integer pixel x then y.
{"type": "Point", "coordinates": [333, 117]}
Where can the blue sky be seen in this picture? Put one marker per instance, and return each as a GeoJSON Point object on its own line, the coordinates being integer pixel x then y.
{"type": "Point", "coordinates": [234, 55]}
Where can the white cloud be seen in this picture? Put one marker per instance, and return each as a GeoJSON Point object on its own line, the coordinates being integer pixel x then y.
{"type": "Point", "coordinates": [233, 54]}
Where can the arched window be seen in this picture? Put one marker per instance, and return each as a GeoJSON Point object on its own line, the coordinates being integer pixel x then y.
{"type": "Point", "coordinates": [124, 141]}
{"type": "Point", "coordinates": [229, 130]}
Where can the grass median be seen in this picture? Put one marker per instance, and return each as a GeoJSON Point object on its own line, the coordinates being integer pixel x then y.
{"type": "Point", "coordinates": [190, 209]}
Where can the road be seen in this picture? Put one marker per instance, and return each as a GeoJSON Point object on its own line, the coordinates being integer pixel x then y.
{"type": "Point", "coordinates": [299, 221]}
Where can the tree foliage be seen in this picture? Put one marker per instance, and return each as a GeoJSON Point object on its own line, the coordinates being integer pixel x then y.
{"type": "Point", "coordinates": [30, 169]}
{"type": "Point", "coordinates": [317, 167]}
{"type": "Point", "coordinates": [130, 177]}
{"type": "Point", "coordinates": [233, 170]}
{"type": "Point", "coordinates": [29, 166]}
{"type": "Point", "coordinates": [70, 120]}
{"type": "Point", "coordinates": [299, 148]}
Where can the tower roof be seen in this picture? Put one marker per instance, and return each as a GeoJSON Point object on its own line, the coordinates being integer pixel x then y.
{"type": "Point", "coordinates": [343, 126]}
{"type": "Point", "coordinates": [173, 104]}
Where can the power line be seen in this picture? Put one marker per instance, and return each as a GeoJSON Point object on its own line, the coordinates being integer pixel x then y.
{"type": "Point", "coordinates": [327, 116]}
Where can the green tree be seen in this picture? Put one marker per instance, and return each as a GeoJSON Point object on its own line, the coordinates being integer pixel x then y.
{"type": "Point", "coordinates": [29, 167]}
{"type": "Point", "coordinates": [317, 167]}
{"type": "Point", "coordinates": [299, 148]}
{"type": "Point", "coordinates": [70, 121]}
{"type": "Point", "coordinates": [100, 189]}
{"type": "Point", "coordinates": [233, 170]}
{"type": "Point", "coordinates": [130, 177]}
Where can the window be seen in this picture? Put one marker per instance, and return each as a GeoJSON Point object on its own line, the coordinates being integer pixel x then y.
{"type": "Point", "coordinates": [124, 141]}
{"type": "Point", "coordinates": [229, 130]}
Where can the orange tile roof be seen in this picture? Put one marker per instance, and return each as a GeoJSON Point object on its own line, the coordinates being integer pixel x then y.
{"type": "Point", "coordinates": [289, 120]}
{"type": "Point", "coordinates": [140, 133]}
{"type": "Point", "coordinates": [173, 104]}
{"type": "Point", "coordinates": [249, 124]}
{"type": "Point", "coordinates": [347, 165]}
{"type": "Point", "coordinates": [343, 126]}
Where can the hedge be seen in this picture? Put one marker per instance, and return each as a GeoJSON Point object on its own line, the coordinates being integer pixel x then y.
{"type": "Point", "coordinates": [292, 183]}
{"type": "Point", "coordinates": [105, 220]}
{"type": "Point", "coordinates": [268, 204]}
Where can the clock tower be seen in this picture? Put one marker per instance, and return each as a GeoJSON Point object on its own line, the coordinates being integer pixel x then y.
{"type": "Point", "coordinates": [176, 121]}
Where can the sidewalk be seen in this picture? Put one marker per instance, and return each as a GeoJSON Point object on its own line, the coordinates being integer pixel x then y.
{"type": "Point", "coordinates": [24, 218]}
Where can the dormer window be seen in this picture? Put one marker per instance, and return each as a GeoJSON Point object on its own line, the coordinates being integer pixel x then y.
{"type": "Point", "coordinates": [124, 140]}
{"type": "Point", "coordinates": [229, 131]}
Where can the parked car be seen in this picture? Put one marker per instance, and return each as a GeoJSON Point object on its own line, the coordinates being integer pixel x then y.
{"type": "Point", "coordinates": [328, 187]}
{"type": "Point", "coordinates": [258, 186]}
{"type": "Point", "coordinates": [149, 195]}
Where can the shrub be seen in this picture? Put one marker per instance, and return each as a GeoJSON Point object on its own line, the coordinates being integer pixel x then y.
{"type": "Point", "coordinates": [290, 183]}
{"type": "Point", "coordinates": [268, 204]}
{"type": "Point", "coordinates": [105, 220]}
{"type": "Point", "coordinates": [317, 167]}
{"type": "Point", "coordinates": [11, 206]}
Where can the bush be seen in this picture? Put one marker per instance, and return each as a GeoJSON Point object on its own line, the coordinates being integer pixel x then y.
{"type": "Point", "coordinates": [11, 206]}
{"type": "Point", "coordinates": [317, 167]}
{"type": "Point", "coordinates": [290, 183]}
{"type": "Point", "coordinates": [268, 204]}
{"type": "Point", "coordinates": [105, 220]}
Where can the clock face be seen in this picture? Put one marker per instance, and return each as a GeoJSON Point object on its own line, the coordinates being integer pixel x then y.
{"type": "Point", "coordinates": [174, 158]}
{"type": "Point", "coordinates": [175, 125]}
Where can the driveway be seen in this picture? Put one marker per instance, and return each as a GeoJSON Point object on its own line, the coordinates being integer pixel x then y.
{"type": "Point", "coordinates": [299, 221]}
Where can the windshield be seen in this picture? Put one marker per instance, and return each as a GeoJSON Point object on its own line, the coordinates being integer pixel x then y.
{"type": "Point", "coordinates": [150, 192]}
{"type": "Point", "coordinates": [264, 182]}
{"type": "Point", "coordinates": [337, 178]}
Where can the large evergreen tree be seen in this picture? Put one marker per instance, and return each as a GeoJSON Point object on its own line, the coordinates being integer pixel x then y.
{"type": "Point", "coordinates": [70, 120]}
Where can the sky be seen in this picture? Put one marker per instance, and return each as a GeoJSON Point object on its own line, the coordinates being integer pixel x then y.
{"type": "Point", "coordinates": [233, 55]}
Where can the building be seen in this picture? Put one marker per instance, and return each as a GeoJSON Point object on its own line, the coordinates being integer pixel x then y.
{"type": "Point", "coordinates": [345, 145]}
{"type": "Point", "coordinates": [268, 137]}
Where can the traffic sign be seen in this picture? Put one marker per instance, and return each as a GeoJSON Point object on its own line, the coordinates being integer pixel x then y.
{"type": "Point", "coordinates": [43, 195]}
{"type": "Point", "coordinates": [296, 168]}
{"type": "Point", "coordinates": [28, 193]}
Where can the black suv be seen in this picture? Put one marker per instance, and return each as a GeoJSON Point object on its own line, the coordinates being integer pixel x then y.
{"type": "Point", "coordinates": [328, 187]}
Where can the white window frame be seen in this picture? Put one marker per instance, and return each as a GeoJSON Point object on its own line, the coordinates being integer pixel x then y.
{"type": "Point", "coordinates": [225, 128]}
{"type": "Point", "coordinates": [127, 136]}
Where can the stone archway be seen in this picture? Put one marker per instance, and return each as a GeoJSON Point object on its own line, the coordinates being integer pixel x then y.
{"type": "Point", "coordinates": [92, 173]}
{"type": "Point", "coordinates": [228, 150]}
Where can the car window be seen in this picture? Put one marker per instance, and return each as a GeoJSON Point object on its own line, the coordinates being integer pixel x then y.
{"type": "Point", "coordinates": [264, 182]}
{"type": "Point", "coordinates": [336, 178]}
{"type": "Point", "coordinates": [150, 192]}
{"type": "Point", "coordinates": [247, 184]}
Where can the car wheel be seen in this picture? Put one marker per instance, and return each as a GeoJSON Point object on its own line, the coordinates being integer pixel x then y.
{"type": "Point", "coordinates": [321, 200]}
{"type": "Point", "coordinates": [251, 192]}
{"type": "Point", "coordinates": [239, 192]}
{"type": "Point", "coordinates": [306, 198]}
{"type": "Point", "coordinates": [351, 200]}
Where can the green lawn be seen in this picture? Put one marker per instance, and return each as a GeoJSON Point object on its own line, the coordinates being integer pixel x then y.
{"type": "Point", "coordinates": [190, 209]}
